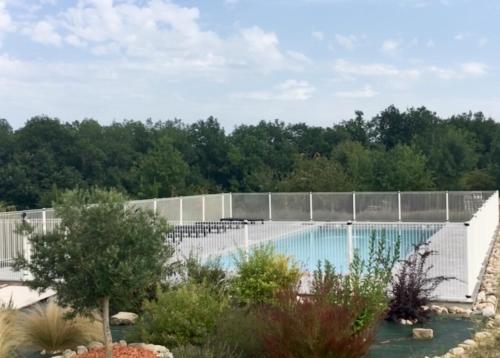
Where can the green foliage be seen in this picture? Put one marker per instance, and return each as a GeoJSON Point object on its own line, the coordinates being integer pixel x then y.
{"type": "Point", "coordinates": [413, 149]}
{"type": "Point", "coordinates": [212, 350]}
{"type": "Point", "coordinates": [241, 328]}
{"type": "Point", "coordinates": [46, 327]}
{"type": "Point", "coordinates": [209, 273]}
{"type": "Point", "coordinates": [262, 273]}
{"type": "Point", "coordinates": [181, 316]}
{"type": "Point", "coordinates": [367, 280]}
{"type": "Point", "coordinates": [102, 251]}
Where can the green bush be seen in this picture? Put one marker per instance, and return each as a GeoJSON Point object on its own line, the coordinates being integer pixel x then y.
{"type": "Point", "coordinates": [368, 280]}
{"type": "Point", "coordinates": [209, 273]}
{"type": "Point", "coordinates": [262, 273]}
{"type": "Point", "coordinates": [241, 328]}
{"type": "Point", "coordinates": [210, 350]}
{"type": "Point", "coordinates": [185, 315]}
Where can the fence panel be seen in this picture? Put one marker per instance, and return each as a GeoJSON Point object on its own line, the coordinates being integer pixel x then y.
{"type": "Point", "coordinates": [377, 206]}
{"type": "Point", "coordinates": [213, 207]}
{"type": "Point", "coordinates": [192, 208]}
{"type": "Point", "coordinates": [423, 206]}
{"type": "Point", "coordinates": [463, 204]}
{"type": "Point", "coordinates": [290, 206]}
{"type": "Point", "coordinates": [332, 206]}
{"type": "Point", "coordinates": [250, 205]}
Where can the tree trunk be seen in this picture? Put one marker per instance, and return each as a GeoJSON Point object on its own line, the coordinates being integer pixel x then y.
{"type": "Point", "coordinates": [108, 340]}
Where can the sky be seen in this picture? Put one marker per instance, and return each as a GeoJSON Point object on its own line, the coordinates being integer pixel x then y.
{"type": "Point", "coordinates": [313, 61]}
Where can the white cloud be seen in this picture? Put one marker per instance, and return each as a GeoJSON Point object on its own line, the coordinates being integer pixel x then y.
{"type": "Point", "coordinates": [474, 68]}
{"type": "Point", "coordinates": [6, 23]}
{"type": "Point", "coordinates": [44, 32]}
{"type": "Point", "coordinates": [365, 92]}
{"type": "Point", "coordinates": [345, 68]}
{"type": "Point", "coordinates": [430, 43]}
{"type": "Point", "coordinates": [346, 41]}
{"type": "Point", "coordinates": [290, 90]}
{"type": "Point", "coordinates": [318, 35]}
{"type": "Point", "coordinates": [390, 46]}
{"type": "Point", "coordinates": [299, 56]}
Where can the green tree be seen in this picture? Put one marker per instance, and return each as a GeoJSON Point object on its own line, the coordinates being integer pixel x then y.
{"type": "Point", "coordinates": [101, 251]}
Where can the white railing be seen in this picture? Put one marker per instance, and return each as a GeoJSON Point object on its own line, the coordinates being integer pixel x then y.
{"type": "Point", "coordinates": [435, 206]}
{"type": "Point", "coordinates": [481, 231]}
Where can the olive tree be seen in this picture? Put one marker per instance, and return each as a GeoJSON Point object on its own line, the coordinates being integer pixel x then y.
{"type": "Point", "coordinates": [102, 250]}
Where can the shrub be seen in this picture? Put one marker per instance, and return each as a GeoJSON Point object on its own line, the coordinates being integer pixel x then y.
{"type": "Point", "coordinates": [209, 273]}
{"type": "Point", "coordinates": [241, 328]}
{"type": "Point", "coordinates": [262, 273]}
{"type": "Point", "coordinates": [9, 338]}
{"type": "Point", "coordinates": [47, 327]}
{"type": "Point", "coordinates": [313, 326]}
{"type": "Point", "coordinates": [210, 350]}
{"type": "Point", "coordinates": [367, 280]}
{"type": "Point", "coordinates": [412, 288]}
{"type": "Point", "coordinates": [185, 315]}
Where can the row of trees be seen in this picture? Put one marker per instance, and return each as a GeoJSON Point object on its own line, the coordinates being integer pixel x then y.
{"type": "Point", "coordinates": [396, 150]}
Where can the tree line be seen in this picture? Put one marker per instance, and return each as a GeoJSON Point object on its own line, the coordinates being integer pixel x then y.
{"type": "Point", "coordinates": [413, 149]}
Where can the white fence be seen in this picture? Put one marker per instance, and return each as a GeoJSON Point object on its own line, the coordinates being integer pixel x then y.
{"type": "Point", "coordinates": [314, 226]}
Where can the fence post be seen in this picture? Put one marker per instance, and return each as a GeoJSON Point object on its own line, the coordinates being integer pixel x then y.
{"type": "Point", "coordinates": [270, 206]}
{"type": "Point", "coordinates": [354, 206]}
{"type": "Point", "coordinates": [310, 206]}
{"type": "Point", "coordinates": [180, 210]}
{"type": "Point", "coordinates": [246, 244]}
{"type": "Point", "coordinates": [231, 205]}
{"type": "Point", "coordinates": [349, 242]}
{"type": "Point", "coordinates": [222, 206]}
{"type": "Point", "coordinates": [155, 206]}
{"type": "Point", "coordinates": [447, 207]}
{"type": "Point", "coordinates": [44, 221]}
{"type": "Point", "coordinates": [26, 249]}
{"type": "Point", "coordinates": [203, 208]}
{"type": "Point", "coordinates": [399, 205]}
{"type": "Point", "coordinates": [468, 261]}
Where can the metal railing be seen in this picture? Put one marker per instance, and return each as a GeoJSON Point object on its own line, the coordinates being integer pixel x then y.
{"type": "Point", "coordinates": [312, 227]}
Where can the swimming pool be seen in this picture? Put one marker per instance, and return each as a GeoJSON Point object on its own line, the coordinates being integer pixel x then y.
{"type": "Point", "coordinates": [330, 242]}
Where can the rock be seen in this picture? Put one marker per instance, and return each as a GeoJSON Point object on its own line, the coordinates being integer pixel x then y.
{"type": "Point", "coordinates": [81, 349]}
{"type": "Point", "coordinates": [481, 296]}
{"type": "Point", "coordinates": [481, 336]}
{"type": "Point", "coordinates": [68, 353]}
{"type": "Point", "coordinates": [488, 311]}
{"type": "Point", "coordinates": [123, 319]}
{"type": "Point", "coordinates": [457, 351]}
{"type": "Point", "coordinates": [423, 333]}
{"type": "Point", "coordinates": [95, 345]}
{"type": "Point", "coordinates": [492, 299]}
{"type": "Point", "coordinates": [123, 343]}
{"type": "Point", "coordinates": [470, 343]}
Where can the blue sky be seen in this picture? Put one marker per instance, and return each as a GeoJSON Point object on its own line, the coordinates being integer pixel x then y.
{"type": "Point", "coordinates": [314, 61]}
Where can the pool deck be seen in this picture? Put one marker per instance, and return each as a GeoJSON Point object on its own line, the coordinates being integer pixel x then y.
{"type": "Point", "coordinates": [21, 296]}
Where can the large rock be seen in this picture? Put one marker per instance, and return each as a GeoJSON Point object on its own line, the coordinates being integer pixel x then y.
{"type": "Point", "coordinates": [457, 351]}
{"type": "Point", "coordinates": [488, 311]}
{"type": "Point", "coordinates": [123, 319]}
{"type": "Point", "coordinates": [423, 333]}
{"type": "Point", "coordinates": [68, 353]}
{"type": "Point", "coordinates": [95, 345]}
{"type": "Point", "coordinates": [81, 349]}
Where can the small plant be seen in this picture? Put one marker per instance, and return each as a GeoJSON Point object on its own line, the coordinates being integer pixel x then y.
{"type": "Point", "coordinates": [185, 315]}
{"type": "Point", "coordinates": [47, 327]}
{"type": "Point", "coordinates": [310, 327]}
{"type": "Point", "coordinates": [368, 280]}
{"type": "Point", "coordinates": [412, 287]}
{"type": "Point", "coordinates": [209, 273]}
{"type": "Point", "coordinates": [241, 328]}
{"type": "Point", "coordinates": [262, 273]}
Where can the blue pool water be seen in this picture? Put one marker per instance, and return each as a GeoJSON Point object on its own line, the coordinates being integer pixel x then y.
{"type": "Point", "coordinates": [330, 243]}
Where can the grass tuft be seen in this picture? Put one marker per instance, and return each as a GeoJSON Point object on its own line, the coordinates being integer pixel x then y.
{"type": "Point", "coordinates": [46, 327]}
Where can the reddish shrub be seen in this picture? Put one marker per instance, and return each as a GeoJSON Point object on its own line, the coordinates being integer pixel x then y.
{"type": "Point", "coordinates": [119, 352]}
{"type": "Point", "coordinates": [313, 327]}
